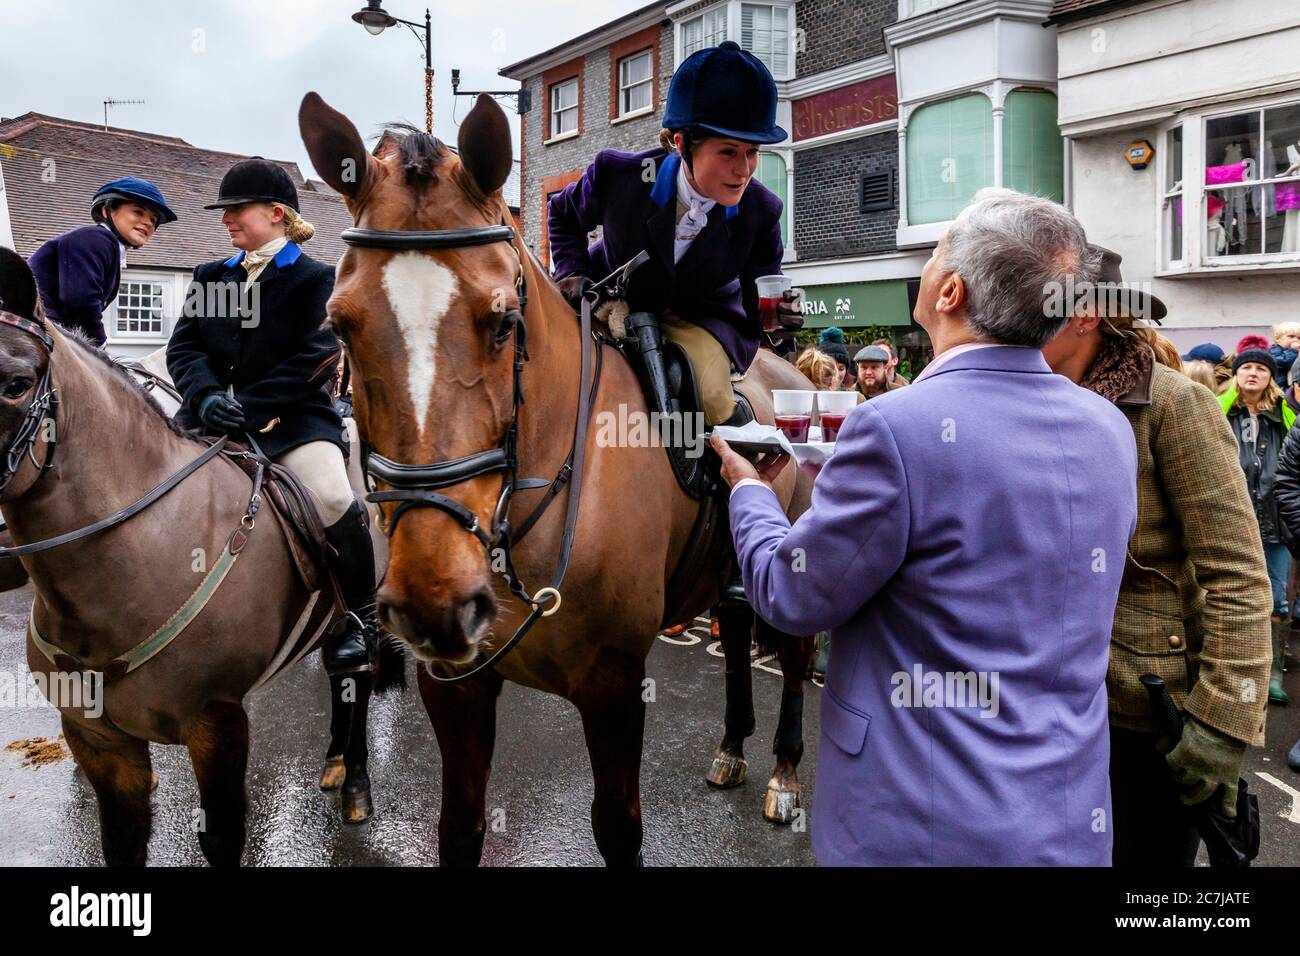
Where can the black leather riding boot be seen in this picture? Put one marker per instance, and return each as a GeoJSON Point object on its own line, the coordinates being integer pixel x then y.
{"type": "Point", "coordinates": [352, 560]}
{"type": "Point", "coordinates": [643, 329]}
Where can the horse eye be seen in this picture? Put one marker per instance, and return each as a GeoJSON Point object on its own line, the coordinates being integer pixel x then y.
{"type": "Point", "coordinates": [506, 328]}
{"type": "Point", "coordinates": [17, 388]}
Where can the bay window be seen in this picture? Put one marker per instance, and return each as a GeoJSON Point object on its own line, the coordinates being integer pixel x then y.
{"type": "Point", "coordinates": [949, 157]}
{"type": "Point", "coordinates": [706, 30]}
{"type": "Point", "coordinates": [766, 30]}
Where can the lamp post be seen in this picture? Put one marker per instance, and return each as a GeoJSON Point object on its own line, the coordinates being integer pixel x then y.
{"type": "Point", "coordinates": [376, 20]}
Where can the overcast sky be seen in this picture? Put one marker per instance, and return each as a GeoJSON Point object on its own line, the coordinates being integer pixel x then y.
{"type": "Point", "coordinates": [229, 74]}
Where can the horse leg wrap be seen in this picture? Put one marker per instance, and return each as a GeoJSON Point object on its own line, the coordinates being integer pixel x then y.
{"type": "Point", "coordinates": [739, 717]}
{"type": "Point", "coordinates": [789, 729]}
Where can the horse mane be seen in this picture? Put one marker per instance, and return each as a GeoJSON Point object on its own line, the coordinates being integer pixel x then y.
{"type": "Point", "coordinates": [419, 156]}
{"type": "Point", "coordinates": [88, 349]}
{"type": "Point", "coordinates": [418, 153]}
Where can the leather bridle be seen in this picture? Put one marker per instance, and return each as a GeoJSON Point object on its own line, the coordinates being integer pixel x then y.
{"type": "Point", "coordinates": [416, 485]}
{"type": "Point", "coordinates": [42, 407]}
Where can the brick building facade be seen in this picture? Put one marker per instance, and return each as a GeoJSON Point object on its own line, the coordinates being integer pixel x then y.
{"type": "Point", "coordinates": [837, 174]}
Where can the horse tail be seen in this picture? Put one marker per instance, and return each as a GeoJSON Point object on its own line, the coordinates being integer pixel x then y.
{"type": "Point", "coordinates": [390, 669]}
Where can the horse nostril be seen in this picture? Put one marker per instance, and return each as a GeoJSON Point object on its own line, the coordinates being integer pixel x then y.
{"type": "Point", "coordinates": [475, 615]}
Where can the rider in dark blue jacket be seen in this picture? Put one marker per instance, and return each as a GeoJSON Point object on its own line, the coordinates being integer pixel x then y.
{"type": "Point", "coordinates": [78, 272]}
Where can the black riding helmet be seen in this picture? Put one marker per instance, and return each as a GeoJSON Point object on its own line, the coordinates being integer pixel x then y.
{"type": "Point", "coordinates": [256, 180]}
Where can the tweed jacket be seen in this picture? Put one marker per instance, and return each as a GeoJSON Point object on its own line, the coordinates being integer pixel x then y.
{"type": "Point", "coordinates": [1195, 600]}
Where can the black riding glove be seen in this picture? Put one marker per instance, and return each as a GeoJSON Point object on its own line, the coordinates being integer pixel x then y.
{"type": "Point", "coordinates": [221, 413]}
{"type": "Point", "coordinates": [572, 288]}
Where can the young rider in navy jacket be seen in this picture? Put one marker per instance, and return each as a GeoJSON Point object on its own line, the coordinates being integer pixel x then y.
{"type": "Point", "coordinates": [693, 205]}
{"type": "Point", "coordinates": [78, 272]}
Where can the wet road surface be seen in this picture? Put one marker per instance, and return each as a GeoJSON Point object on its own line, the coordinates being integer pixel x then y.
{"type": "Point", "coordinates": [539, 794]}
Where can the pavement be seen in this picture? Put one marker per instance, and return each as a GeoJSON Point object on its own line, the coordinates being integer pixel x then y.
{"type": "Point", "coordinates": [539, 794]}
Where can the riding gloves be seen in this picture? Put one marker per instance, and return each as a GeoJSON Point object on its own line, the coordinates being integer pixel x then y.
{"type": "Point", "coordinates": [1203, 762]}
{"type": "Point", "coordinates": [221, 413]}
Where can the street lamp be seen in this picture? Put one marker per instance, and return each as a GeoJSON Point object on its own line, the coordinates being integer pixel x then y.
{"type": "Point", "coordinates": [376, 20]}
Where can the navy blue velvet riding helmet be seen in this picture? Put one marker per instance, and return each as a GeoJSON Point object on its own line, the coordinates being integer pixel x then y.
{"type": "Point", "coordinates": [726, 91]}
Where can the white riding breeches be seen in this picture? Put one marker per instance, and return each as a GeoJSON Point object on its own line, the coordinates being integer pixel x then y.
{"type": "Point", "coordinates": [319, 465]}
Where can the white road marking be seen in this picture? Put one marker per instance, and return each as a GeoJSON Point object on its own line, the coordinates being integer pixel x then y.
{"type": "Point", "coordinates": [715, 648]}
{"type": "Point", "coordinates": [1294, 814]}
{"type": "Point", "coordinates": [420, 291]}
{"type": "Point", "coordinates": [693, 639]}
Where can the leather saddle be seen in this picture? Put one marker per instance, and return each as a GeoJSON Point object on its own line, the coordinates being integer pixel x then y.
{"type": "Point", "coordinates": [295, 512]}
{"type": "Point", "coordinates": [706, 569]}
{"type": "Point", "coordinates": [672, 394]}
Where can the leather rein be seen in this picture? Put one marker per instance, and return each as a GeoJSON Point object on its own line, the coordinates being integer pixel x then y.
{"type": "Point", "coordinates": [416, 485]}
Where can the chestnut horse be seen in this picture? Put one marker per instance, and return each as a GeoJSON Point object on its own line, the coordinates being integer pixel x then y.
{"type": "Point", "coordinates": [428, 304]}
{"type": "Point", "coordinates": [103, 445]}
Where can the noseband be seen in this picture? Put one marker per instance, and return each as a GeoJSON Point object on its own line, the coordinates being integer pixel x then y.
{"type": "Point", "coordinates": [414, 484]}
{"type": "Point", "coordinates": [46, 401]}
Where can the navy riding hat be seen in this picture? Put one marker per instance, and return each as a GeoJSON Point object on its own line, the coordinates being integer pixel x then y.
{"type": "Point", "coordinates": [726, 91]}
{"type": "Point", "coordinates": [256, 180]}
{"type": "Point", "coordinates": [131, 189]}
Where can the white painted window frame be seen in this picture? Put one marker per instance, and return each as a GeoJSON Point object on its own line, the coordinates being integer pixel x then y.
{"type": "Point", "coordinates": [555, 113]}
{"type": "Point", "coordinates": [1195, 261]}
{"type": "Point", "coordinates": [173, 294]}
{"type": "Point", "coordinates": [732, 20]}
{"type": "Point", "coordinates": [913, 236]}
{"type": "Point", "coordinates": [624, 86]}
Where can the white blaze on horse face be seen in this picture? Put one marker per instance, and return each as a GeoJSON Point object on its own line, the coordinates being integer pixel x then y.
{"type": "Point", "coordinates": [420, 290]}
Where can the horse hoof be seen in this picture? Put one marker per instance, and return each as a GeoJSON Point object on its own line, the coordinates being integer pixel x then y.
{"type": "Point", "coordinates": [332, 777]}
{"type": "Point", "coordinates": [727, 771]}
{"type": "Point", "coordinates": [780, 806]}
{"type": "Point", "coordinates": [357, 807]}
{"type": "Point", "coordinates": [153, 781]}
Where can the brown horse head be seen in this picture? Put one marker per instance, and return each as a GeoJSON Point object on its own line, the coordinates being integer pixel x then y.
{"type": "Point", "coordinates": [23, 360]}
{"type": "Point", "coordinates": [428, 335]}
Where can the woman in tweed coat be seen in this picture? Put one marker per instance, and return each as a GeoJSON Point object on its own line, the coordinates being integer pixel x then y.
{"type": "Point", "coordinates": [1194, 604]}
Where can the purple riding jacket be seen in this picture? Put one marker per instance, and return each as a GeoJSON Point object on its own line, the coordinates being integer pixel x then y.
{"type": "Point", "coordinates": [965, 545]}
{"type": "Point", "coordinates": [632, 197]}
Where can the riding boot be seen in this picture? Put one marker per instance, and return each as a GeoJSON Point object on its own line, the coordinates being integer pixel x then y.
{"type": "Point", "coordinates": [352, 559]}
{"type": "Point", "coordinates": [643, 329]}
{"type": "Point", "coordinates": [1276, 692]}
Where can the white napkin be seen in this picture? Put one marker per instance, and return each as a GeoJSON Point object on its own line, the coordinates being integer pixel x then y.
{"type": "Point", "coordinates": [754, 431]}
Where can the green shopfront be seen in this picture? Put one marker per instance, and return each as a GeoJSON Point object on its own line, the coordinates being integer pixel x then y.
{"type": "Point", "coordinates": [868, 310]}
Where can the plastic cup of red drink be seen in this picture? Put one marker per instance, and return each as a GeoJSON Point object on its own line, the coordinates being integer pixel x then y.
{"type": "Point", "coordinates": [771, 293]}
{"type": "Point", "coordinates": [793, 409]}
{"type": "Point", "coordinates": [832, 408]}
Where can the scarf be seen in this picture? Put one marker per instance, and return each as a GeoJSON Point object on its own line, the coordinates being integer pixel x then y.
{"type": "Point", "coordinates": [254, 262]}
{"type": "Point", "coordinates": [697, 214]}
{"type": "Point", "coordinates": [1120, 364]}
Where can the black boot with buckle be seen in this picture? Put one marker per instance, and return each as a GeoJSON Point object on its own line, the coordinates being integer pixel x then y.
{"type": "Point", "coordinates": [349, 646]}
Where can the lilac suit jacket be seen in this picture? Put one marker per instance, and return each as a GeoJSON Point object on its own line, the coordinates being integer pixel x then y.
{"type": "Point", "coordinates": [971, 526]}
{"type": "Point", "coordinates": [632, 197]}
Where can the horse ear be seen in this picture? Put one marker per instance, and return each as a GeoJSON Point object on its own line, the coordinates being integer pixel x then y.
{"type": "Point", "coordinates": [485, 146]}
{"type": "Point", "coordinates": [17, 285]}
{"type": "Point", "coordinates": [333, 144]}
